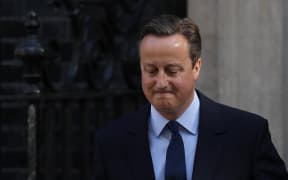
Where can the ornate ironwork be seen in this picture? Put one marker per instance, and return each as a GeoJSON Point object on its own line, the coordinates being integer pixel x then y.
{"type": "Point", "coordinates": [60, 73]}
{"type": "Point", "coordinates": [31, 52]}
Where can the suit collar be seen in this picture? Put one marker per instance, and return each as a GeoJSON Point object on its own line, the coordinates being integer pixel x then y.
{"type": "Point", "coordinates": [210, 116]}
{"type": "Point", "coordinates": [138, 124]}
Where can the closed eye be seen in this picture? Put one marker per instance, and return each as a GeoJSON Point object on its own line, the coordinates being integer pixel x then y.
{"type": "Point", "coordinates": [150, 69]}
{"type": "Point", "coordinates": [173, 69]}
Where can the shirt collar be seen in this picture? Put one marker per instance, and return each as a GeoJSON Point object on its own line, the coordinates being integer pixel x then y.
{"type": "Point", "coordinates": [189, 120]}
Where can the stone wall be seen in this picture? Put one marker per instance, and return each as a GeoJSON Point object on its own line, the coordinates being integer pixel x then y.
{"type": "Point", "coordinates": [244, 53]}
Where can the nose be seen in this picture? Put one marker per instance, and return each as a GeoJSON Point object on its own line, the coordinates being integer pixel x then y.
{"type": "Point", "coordinates": [161, 81]}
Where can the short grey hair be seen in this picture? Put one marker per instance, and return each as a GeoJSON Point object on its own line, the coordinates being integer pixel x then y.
{"type": "Point", "coordinates": [166, 25]}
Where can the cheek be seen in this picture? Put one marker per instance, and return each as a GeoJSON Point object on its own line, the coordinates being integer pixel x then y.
{"type": "Point", "coordinates": [177, 83]}
{"type": "Point", "coordinates": [147, 82]}
{"type": "Point", "coordinates": [182, 85]}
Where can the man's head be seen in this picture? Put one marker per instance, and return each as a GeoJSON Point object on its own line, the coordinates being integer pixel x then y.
{"type": "Point", "coordinates": [166, 25]}
{"type": "Point", "coordinates": [170, 61]}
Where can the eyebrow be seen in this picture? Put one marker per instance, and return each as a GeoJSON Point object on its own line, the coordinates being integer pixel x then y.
{"type": "Point", "coordinates": [148, 66]}
{"type": "Point", "coordinates": [174, 66]}
{"type": "Point", "coordinates": [166, 66]}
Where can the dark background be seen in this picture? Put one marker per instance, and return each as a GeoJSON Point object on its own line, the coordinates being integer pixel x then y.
{"type": "Point", "coordinates": [87, 74]}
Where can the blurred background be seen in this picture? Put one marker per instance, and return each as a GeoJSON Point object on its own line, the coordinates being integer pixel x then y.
{"type": "Point", "coordinates": [69, 66]}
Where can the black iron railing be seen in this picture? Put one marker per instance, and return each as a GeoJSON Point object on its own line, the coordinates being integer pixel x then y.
{"type": "Point", "coordinates": [65, 90]}
{"type": "Point", "coordinates": [59, 130]}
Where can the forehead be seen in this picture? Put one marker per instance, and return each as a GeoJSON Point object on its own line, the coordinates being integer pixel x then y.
{"type": "Point", "coordinates": [175, 44]}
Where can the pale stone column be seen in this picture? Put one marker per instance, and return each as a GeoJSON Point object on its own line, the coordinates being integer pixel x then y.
{"type": "Point", "coordinates": [243, 57]}
{"type": "Point", "coordinates": [204, 13]}
{"type": "Point", "coordinates": [285, 78]}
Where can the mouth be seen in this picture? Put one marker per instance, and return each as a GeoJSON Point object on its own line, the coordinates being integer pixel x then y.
{"type": "Point", "coordinates": [163, 93]}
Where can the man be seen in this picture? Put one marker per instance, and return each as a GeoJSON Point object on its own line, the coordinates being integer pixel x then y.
{"type": "Point", "coordinates": [182, 134]}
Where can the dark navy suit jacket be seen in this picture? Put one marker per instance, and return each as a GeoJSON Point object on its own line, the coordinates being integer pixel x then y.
{"type": "Point", "coordinates": [232, 145]}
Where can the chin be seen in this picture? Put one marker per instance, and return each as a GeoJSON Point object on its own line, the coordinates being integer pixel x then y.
{"type": "Point", "coordinates": [167, 108]}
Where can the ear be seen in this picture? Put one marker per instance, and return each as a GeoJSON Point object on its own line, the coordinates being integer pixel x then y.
{"type": "Point", "coordinates": [197, 68]}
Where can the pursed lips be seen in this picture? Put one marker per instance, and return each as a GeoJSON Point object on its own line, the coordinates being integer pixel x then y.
{"type": "Point", "coordinates": [162, 93]}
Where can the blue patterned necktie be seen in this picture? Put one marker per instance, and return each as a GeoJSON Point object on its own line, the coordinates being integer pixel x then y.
{"type": "Point", "coordinates": [175, 158]}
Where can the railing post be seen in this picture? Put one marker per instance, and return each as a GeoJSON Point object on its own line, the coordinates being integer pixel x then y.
{"type": "Point", "coordinates": [31, 53]}
{"type": "Point", "coordinates": [32, 149]}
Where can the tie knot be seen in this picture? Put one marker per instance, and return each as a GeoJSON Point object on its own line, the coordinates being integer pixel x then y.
{"type": "Point", "coordinates": [173, 127]}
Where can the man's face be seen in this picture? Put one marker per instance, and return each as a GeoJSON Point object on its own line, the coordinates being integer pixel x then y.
{"type": "Point", "coordinates": [168, 78]}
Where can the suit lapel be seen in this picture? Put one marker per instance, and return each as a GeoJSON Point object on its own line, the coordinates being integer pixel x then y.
{"type": "Point", "coordinates": [138, 151]}
{"type": "Point", "coordinates": [209, 146]}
